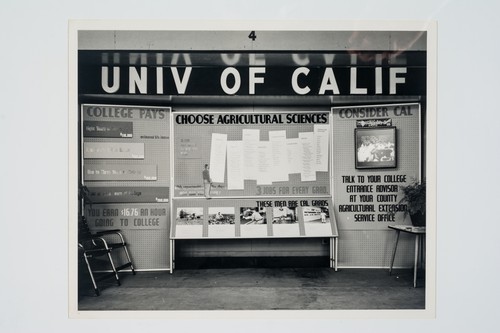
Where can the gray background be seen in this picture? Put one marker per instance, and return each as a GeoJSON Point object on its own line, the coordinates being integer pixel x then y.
{"type": "Point", "coordinates": [33, 129]}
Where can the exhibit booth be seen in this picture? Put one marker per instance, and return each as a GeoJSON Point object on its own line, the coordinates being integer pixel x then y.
{"type": "Point", "coordinates": [285, 145]}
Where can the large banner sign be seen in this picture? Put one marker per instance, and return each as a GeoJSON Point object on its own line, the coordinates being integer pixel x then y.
{"type": "Point", "coordinates": [300, 74]}
{"type": "Point", "coordinates": [251, 154]}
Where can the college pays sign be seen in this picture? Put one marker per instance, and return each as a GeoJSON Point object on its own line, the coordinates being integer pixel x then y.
{"type": "Point", "coordinates": [187, 78]}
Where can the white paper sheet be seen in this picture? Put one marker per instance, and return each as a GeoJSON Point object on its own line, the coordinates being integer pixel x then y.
{"type": "Point", "coordinates": [218, 157]}
{"type": "Point", "coordinates": [264, 167]}
{"type": "Point", "coordinates": [235, 165]}
{"type": "Point", "coordinates": [321, 135]}
{"type": "Point", "coordinates": [307, 154]}
{"type": "Point", "coordinates": [251, 138]}
{"type": "Point", "coordinates": [279, 156]}
{"type": "Point", "coordinates": [294, 164]}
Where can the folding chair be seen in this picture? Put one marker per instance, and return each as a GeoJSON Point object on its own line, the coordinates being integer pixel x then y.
{"type": "Point", "coordinates": [99, 244]}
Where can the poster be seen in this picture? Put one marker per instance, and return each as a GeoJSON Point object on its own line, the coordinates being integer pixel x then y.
{"type": "Point", "coordinates": [385, 156]}
{"type": "Point", "coordinates": [251, 154]}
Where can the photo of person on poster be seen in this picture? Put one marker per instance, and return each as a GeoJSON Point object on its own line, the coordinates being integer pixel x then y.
{"type": "Point", "coordinates": [207, 181]}
{"type": "Point", "coordinates": [323, 217]}
{"type": "Point", "coordinates": [253, 216]}
{"type": "Point", "coordinates": [284, 215]}
{"type": "Point", "coordinates": [221, 216]}
{"type": "Point", "coordinates": [366, 150]}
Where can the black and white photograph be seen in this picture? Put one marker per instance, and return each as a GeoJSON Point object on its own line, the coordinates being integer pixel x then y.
{"type": "Point", "coordinates": [252, 215]}
{"type": "Point", "coordinates": [249, 127]}
{"type": "Point", "coordinates": [230, 122]}
{"type": "Point", "coordinates": [221, 222]}
{"type": "Point", "coordinates": [284, 215]}
{"type": "Point", "coordinates": [221, 215]}
{"type": "Point", "coordinates": [314, 214]}
{"type": "Point", "coordinates": [376, 147]}
{"type": "Point", "coordinates": [189, 216]}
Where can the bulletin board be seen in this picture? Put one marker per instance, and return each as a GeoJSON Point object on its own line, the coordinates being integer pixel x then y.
{"type": "Point", "coordinates": [368, 198]}
{"type": "Point", "coordinates": [126, 167]}
{"type": "Point", "coordinates": [261, 174]}
{"type": "Point", "coordinates": [257, 154]}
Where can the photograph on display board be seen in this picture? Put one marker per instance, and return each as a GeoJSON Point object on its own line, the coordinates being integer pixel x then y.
{"type": "Point", "coordinates": [285, 222]}
{"type": "Point", "coordinates": [284, 215]}
{"type": "Point", "coordinates": [221, 222]}
{"type": "Point", "coordinates": [314, 214]}
{"type": "Point", "coordinates": [316, 221]}
{"type": "Point", "coordinates": [189, 216]}
{"type": "Point", "coordinates": [221, 216]}
{"type": "Point", "coordinates": [375, 147]}
{"type": "Point", "coordinates": [252, 215]}
{"type": "Point", "coordinates": [207, 181]}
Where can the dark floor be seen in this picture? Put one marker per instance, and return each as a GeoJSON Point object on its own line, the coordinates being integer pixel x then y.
{"type": "Point", "coordinates": [259, 289]}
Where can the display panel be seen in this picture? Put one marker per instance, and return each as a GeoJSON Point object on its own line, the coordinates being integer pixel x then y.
{"type": "Point", "coordinates": [125, 145]}
{"type": "Point", "coordinates": [251, 154]}
{"type": "Point", "coordinates": [287, 217]}
{"type": "Point", "coordinates": [368, 197]}
{"type": "Point", "coordinates": [125, 154]}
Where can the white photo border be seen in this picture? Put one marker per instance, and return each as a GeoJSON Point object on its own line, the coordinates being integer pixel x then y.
{"type": "Point", "coordinates": [431, 164]}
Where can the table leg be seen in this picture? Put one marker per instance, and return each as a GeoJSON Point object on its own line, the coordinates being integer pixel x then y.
{"type": "Point", "coordinates": [172, 255]}
{"type": "Point", "coordinates": [422, 250]}
{"type": "Point", "coordinates": [331, 251]}
{"type": "Point", "coordinates": [336, 251]}
{"type": "Point", "coordinates": [415, 268]}
{"type": "Point", "coordinates": [394, 251]}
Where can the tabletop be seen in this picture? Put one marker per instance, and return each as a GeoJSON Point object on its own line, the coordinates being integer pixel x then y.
{"type": "Point", "coordinates": [408, 228]}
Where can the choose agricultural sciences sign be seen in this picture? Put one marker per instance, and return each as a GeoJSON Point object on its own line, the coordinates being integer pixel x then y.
{"type": "Point", "coordinates": [251, 154]}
